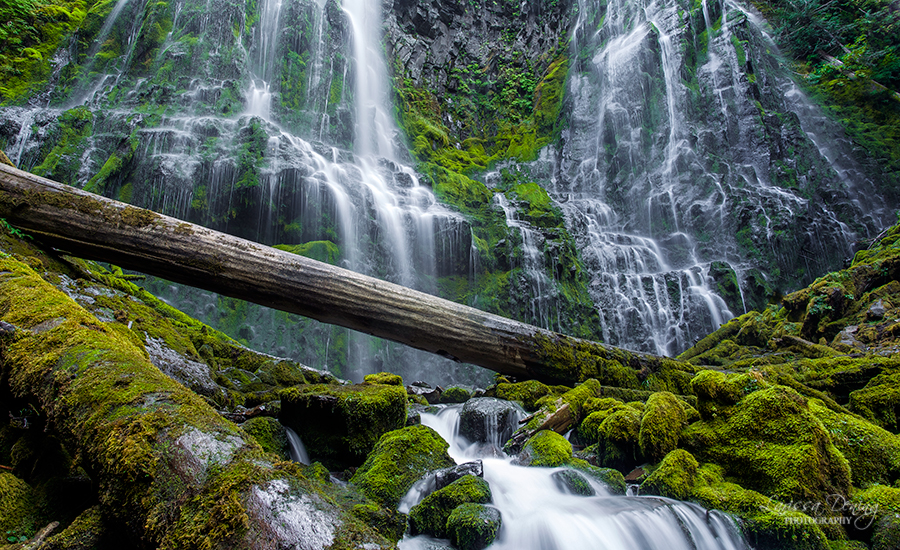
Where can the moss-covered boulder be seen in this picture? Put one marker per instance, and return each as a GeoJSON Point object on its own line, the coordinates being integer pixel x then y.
{"type": "Point", "coordinates": [270, 435]}
{"type": "Point", "coordinates": [526, 393]}
{"type": "Point", "coordinates": [570, 481]}
{"type": "Point", "coordinates": [879, 401]}
{"type": "Point", "coordinates": [341, 424]}
{"type": "Point", "coordinates": [17, 507]}
{"type": "Point", "coordinates": [610, 477]}
{"type": "Point", "coordinates": [876, 511]}
{"type": "Point", "coordinates": [873, 452]}
{"type": "Point", "coordinates": [430, 515]}
{"type": "Point", "coordinates": [387, 378]}
{"type": "Point", "coordinates": [661, 425]}
{"type": "Point", "coordinates": [675, 477]}
{"type": "Point", "coordinates": [617, 440]}
{"type": "Point", "coordinates": [546, 448]}
{"type": "Point", "coordinates": [398, 460]}
{"type": "Point", "coordinates": [772, 443]}
{"type": "Point", "coordinates": [456, 394]}
{"type": "Point", "coordinates": [88, 532]}
{"type": "Point", "coordinates": [473, 526]}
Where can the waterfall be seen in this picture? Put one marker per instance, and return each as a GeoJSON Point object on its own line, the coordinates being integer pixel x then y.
{"type": "Point", "coordinates": [296, 447]}
{"type": "Point", "coordinates": [537, 513]}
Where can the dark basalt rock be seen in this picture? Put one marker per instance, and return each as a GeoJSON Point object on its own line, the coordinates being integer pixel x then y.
{"type": "Point", "coordinates": [488, 420]}
{"type": "Point", "coordinates": [445, 477]}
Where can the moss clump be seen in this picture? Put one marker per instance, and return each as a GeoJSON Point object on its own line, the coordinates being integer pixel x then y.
{"type": "Point", "coordinates": [612, 478]}
{"type": "Point", "coordinates": [399, 459]}
{"type": "Point", "coordinates": [879, 401]}
{"type": "Point", "coordinates": [17, 507]}
{"type": "Point", "coordinates": [385, 378]}
{"type": "Point", "coordinates": [661, 426]}
{"type": "Point", "coordinates": [872, 452]}
{"type": "Point", "coordinates": [270, 435]}
{"type": "Point", "coordinates": [879, 507]}
{"type": "Point", "coordinates": [87, 531]}
{"type": "Point", "coordinates": [546, 448]}
{"type": "Point", "coordinates": [772, 443]}
{"type": "Point", "coordinates": [766, 523]}
{"type": "Point", "coordinates": [572, 482]}
{"type": "Point", "coordinates": [389, 522]}
{"type": "Point", "coordinates": [527, 393]}
{"type": "Point", "coordinates": [430, 515]}
{"type": "Point", "coordinates": [617, 440]}
{"type": "Point", "coordinates": [675, 476]}
{"type": "Point", "coordinates": [589, 429]}
{"type": "Point", "coordinates": [341, 424]}
{"type": "Point", "coordinates": [455, 394]}
{"type": "Point", "coordinates": [473, 526]}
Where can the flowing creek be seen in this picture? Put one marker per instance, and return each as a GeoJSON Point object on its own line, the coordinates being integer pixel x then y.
{"type": "Point", "coordinates": [538, 513]}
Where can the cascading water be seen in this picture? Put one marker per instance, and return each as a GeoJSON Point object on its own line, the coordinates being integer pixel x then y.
{"type": "Point", "coordinates": [665, 194]}
{"type": "Point", "coordinates": [538, 513]}
{"type": "Point", "coordinates": [223, 147]}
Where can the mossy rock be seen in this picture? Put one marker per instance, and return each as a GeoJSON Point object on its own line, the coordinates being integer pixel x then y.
{"type": "Point", "coordinates": [589, 429]}
{"type": "Point", "coordinates": [873, 452]}
{"type": "Point", "coordinates": [386, 378]}
{"type": "Point", "coordinates": [878, 508]}
{"type": "Point", "coordinates": [572, 482]}
{"type": "Point", "coordinates": [772, 443]}
{"type": "Point", "coordinates": [455, 394]}
{"type": "Point", "coordinates": [282, 374]}
{"type": "Point", "coordinates": [675, 477]}
{"type": "Point", "coordinates": [87, 532]}
{"type": "Point", "coordinates": [610, 477]}
{"type": "Point", "coordinates": [341, 424]}
{"type": "Point", "coordinates": [430, 515]}
{"type": "Point", "coordinates": [526, 393]}
{"type": "Point", "coordinates": [766, 523]}
{"type": "Point", "coordinates": [617, 440]}
{"type": "Point", "coordinates": [270, 435]}
{"type": "Point", "coordinates": [17, 507]}
{"type": "Point", "coordinates": [398, 460]}
{"type": "Point", "coordinates": [879, 401]}
{"type": "Point", "coordinates": [546, 448]}
{"type": "Point", "coordinates": [661, 426]}
{"type": "Point", "coordinates": [390, 523]}
{"type": "Point", "coordinates": [473, 526]}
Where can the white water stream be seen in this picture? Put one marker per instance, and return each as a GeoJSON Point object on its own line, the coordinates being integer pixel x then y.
{"type": "Point", "coordinates": [538, 515]}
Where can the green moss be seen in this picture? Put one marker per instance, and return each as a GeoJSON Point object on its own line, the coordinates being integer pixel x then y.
{"type": "Point", "coordinates": [617, 440]}
{"type": "Point", "coordinates": [270, 435]}
{"type": "Point", "coordinates": [612, 478]}
{"type": "Point", "coordinates": [430, 515]}
{"type": "Point", "coordinates": [341, 424]}
{"type": "Point", "coordinates": [17, 507]}
{"type": "Point", "coordinates": [398, 460]}
{"type": "Point", "coordinates": [390, 523]}
{"type": "Point", "coordinates": [675, 477]}
{"type": "Point", "coordinates": [384, 378]}
{"type": "Point", "coordinates": [455, 394]}
{"type": "Point", "coordinates": [526, 393]}
{"type": "Point", "coordinates": [879, 401]}
{"type": "Point", "coordinates": [772, 443]}
{"type": "Point", "coordinates": [546, 448]}
{"type": "Point", "coordinates": [324, 251]}
{"type": "Point", "coordinates": [472, 526]}
{"type": "Point", "coordinates": [878, 507]}
{"type": "Point", "coordinates": [766, 523]}
{"type": "Point", "coordinates": [87, 531]}
{"type": "Point", "coordinates": [661, 426]}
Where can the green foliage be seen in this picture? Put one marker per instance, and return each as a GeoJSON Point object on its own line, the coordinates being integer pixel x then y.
{"type": "Point", "coordinates": [661, 426]}
{"type": "Point", "coordinates": [473, 526]}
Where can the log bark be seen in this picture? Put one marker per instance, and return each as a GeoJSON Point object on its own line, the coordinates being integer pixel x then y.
{"type": "Point", "coordinates": [94, 227]}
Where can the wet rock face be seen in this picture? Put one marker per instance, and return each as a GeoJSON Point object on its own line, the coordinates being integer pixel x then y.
{"type": "Point", "coordinates": [445, 477]}
{"type": "Point", "coordinates": [488, 420]}
{"type": "Point", "coordinates": [437, 42]}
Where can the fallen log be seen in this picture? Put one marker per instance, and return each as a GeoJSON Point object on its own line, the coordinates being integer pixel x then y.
{"type": "Point", "coordinates": [94, 227]}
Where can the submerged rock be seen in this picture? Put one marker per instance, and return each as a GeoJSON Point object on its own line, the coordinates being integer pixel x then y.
{"type": "Point", "coordinates": [571, 481]}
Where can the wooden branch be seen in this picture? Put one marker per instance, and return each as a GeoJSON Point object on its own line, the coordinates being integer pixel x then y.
{"type": "Point", "coordinates": [94, 227]}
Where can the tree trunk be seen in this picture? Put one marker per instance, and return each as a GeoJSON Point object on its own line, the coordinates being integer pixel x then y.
{"type": "Point", "coordinates": [98, 228]}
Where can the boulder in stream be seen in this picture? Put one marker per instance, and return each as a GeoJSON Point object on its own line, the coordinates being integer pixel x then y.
{"type": "Point", "coordinates": [473, 526]}
{"type": "Point", "coordinates": [488, 420]}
